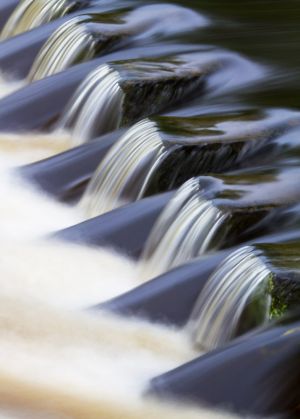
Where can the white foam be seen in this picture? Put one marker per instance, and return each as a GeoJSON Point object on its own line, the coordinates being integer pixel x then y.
{"type": "Point", "coordinates": [32, 146]}
{"type": "Point", "coordinates": [64, 275]}
{"type": "Point", "coordinates": [27, 214]}
{"type": "Point", "coordinates": [81, 366]}
{"type": "Point", "coordinates": [8, 85]}
{"type": "Point", "coordinates": [56, 359]}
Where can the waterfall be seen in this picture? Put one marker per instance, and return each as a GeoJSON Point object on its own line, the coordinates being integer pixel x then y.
{"type": "Point", "coordinates": [96, 105]}
{"type": "Point", "coordinates": [124, 92]}
{"type": "Point", "coordinates": [50, 346]}
{"type": "Point", "coordinates": [126, 169]}
{"type": "Point", "coordinates": [30, 14]}
{"type": "Point", "coordinates": [221, 303]}
{"type": "Point", "coordinates": [82, 334]}
{"type": "Point", "coordinates": [71, 41]}
{"type": "Point", "coordinates": [184, 230]}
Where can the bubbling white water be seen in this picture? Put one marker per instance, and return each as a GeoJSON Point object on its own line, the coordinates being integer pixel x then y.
{"type": "Point", "coordinates": [26, 214]}
{"type": "Point", "coordinates": [75, 276]}
{"type": "Point", "coordinates": [8, 85]}
{"type": "Point", "coordinates": [58, 360]}
{"type": "Point", "coordinates": [31, 146]}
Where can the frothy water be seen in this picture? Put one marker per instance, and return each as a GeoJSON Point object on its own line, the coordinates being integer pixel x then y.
{"type": "Point", "coordinates": [184, 230]}
{"type": "Point", "coordinates": [221, 303]}
{"type": "Point", "coordinates": [30, 147]}
{"type": "Point", "coordinates": [27, 213]}
{"type": "Point", "coordinates": [60, 357]}
{"type": "Point", "coordinates": [8, 85]}
{"type": "Point", "coordinates": [59, 360]}
{"type": "Point", "coordinates": [95, 106]}
{"type": "Point", "coordinates": [64, 275]}
{"type": "Point", "coordinates": [78, 356]}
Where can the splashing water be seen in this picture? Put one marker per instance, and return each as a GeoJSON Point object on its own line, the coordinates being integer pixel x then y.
{"type": "Point", "coordinates": [70, 41]}
{"type": "Point", "coordinates": [184, 230]}
{"type": "Point", "coordinates": [30, 14]}
{"type": "Point", "coordinates": [96, 106]}
{"type": "Point", "coordinates": [64, 275]}
{"type": "Point", "coordinates": [77, 356]}
{"type": "Point", "coordinates": [221, 303]}
{"type": "Point", "coordinates": [8, 85]}
{"type": "Point", "coordinates": [27, 214]}
{"type": "Point", "coordinates": [57, 360]}
{"type": "Point", "coordinates": [30, 147]}
{"type": "Point", "coordinates": [58, 352]}
{"type": "Point", "coordinates": [50, 350]}
{"type": "Point", "coordinates": [127, 168]}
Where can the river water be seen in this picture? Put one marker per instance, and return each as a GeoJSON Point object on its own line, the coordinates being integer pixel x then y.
{"type": "Point", "coordinates": [59, 359]}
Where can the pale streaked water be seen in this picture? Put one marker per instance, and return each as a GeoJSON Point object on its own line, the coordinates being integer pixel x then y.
{"type": "Point", "coordinates": [32, 13]}
{"type": "Point", "coordinates": [217, 312]}
{"type": "Point", "coordinates": [56, 359]}
{"type": "Point", "coordinates": [130, 161]}
{"type": "Point", "coordinates": [33, 146]}
{"type": "Point", "coordinates": [8, 85]}
{"type": "Point", "coordinates": [59, 358]}
{"type": "Point", "coordinates": [96, 103]}
{"type": "Point", "coordinates": [183, 231]}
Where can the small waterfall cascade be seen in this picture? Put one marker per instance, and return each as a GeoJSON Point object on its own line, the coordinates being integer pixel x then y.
{"type": "Point", "coordinates": [185, 229]}
{"type": "Point", "coordinates": [124, 92]}
{"type": "Point", "coordinates": [96, 105]}
{"type": "Point", "coordinates": [194, 107]}
{"type": "Point", "coordinates": [126, 169]}
{"type": "Point", "coordinates": [71, 41]}
{"type": "Point", "coordinates": [221, 304]}
{"type": "Point", "coordinates": [30, 14]}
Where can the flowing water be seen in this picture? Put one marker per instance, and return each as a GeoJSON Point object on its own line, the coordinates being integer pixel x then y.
{"type": "Point", "coordinates": [63, 48]}
{"type": "Point", "coordinates": [220, 102]}
{"type": "Point", "coordinates": [31, 13]}
{"type": "Point", "coordinates": [184, 230]}
{"type": "Point", "coordinates": [8, 86]}
{"type": "Point", "coordinates": [56, 350]}
{"type": "Point", "coordinates": [107, 185]}
{"type": "Point", "coordinates": [218, 310]}
{"type": "Point", "coordinates": [103, 108]}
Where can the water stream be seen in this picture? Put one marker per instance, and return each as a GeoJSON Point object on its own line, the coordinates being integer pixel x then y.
{"type": "Point", "coordinates": [122, 101]}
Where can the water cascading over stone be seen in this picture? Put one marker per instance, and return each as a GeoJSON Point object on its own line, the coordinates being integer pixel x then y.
{"type": "Point", "coordinates": [187, 228]}
{"type": "Point", "coordinates": [184, 147]}
{"type": "Point", "coordinates": [119, 94]}
{"type": "Point", "coordinates": [30, 14]}
{"type": "Point", "coordinates": [89, 35]}
{"type": "Point", "coordinates": [63, 48]}
{"type": "Point", "coordinates": [254, 285]}
{"type": "Point", "coordinates": [137, 154]}
{"type": "Point", "coordinates": [96, 105]}
{"type": "Point", "coordinates": [216, 315]}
